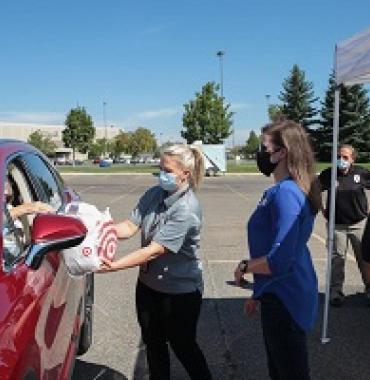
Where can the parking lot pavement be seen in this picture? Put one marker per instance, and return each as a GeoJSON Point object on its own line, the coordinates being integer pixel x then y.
{"type": "Point", "coordinates": [232, 344]}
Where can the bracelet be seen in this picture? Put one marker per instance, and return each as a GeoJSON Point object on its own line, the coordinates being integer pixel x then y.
{"type": "Point", "coordinates": [243, 266]}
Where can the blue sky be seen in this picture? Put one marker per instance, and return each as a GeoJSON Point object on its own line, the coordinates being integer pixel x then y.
{"type": "Point", "coordinates": [145, 59]}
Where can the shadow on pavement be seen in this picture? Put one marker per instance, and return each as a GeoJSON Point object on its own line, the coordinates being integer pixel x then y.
{"type": "Point", "coordinates": [90, 371]}
{"type": "Point", "coordinates": [233, 344]}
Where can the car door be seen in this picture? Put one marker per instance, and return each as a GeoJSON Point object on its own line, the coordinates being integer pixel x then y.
{"type": "Point", "coordinates": [39, 308]}
{"type": "Point", "coordinates": [56, 331]}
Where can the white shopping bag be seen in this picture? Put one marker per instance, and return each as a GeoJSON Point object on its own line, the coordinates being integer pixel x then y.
{"type": "Point", "coordinates": [100, 240]}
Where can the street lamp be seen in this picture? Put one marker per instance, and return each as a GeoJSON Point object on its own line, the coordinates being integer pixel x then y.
{"type": "Point", "coordinates": [105, 128]}
{"type": "Point", "coordinates": [267, 96]}
{"type": "Point", "coordinates": [220, 54]}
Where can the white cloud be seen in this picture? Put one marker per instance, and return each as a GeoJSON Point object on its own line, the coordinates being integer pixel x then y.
{"type": "Point", "coordinates": [239, 106]}
{"type": "Point", "coordinates": [159, 113]}
{"type": "Point", "coordinates": [154, 29]}
{"type": "Point", "coordinates": [41, 118]}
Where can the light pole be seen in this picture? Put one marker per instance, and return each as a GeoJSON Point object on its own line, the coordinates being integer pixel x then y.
{"type": "Point", "coordinates": [105, 128]}
{"type": "Point", "coordinates": [220, 54]}
{"type": "Point", "coordinates": [267, 96]}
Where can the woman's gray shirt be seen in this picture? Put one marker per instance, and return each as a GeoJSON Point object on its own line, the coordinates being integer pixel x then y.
{"type": "Point", "coordinates": [174, 221]}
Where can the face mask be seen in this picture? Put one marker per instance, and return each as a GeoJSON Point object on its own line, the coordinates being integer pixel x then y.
{"type": "Point", "coordinates": [167, 181]}
{"type": "Point", "coordinates": [264, 164]}
{"type": "Point", "coordinates": [343, 164]}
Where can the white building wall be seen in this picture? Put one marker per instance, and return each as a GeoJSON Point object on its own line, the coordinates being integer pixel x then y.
{"type": "Point", "coordinates": [23, 131]}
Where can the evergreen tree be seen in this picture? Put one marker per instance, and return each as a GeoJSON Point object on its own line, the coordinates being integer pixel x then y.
{"type": "Point", "coordinates": [206, 118]}
{"type": "Point", "coordinates": [79, 132]}
{"type": "Point", "coordinates": [275, 112]}
{"type": "Point", "coordinates": [354, 120]}
{"type": "Point", "coordinates": [298, 98]}
{"type": "Point", "coordinates": [252, 144]}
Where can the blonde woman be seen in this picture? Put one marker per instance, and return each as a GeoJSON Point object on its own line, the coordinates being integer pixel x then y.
{"type": "Point", "coordinates": [285, 282]}
{"type": "Point", "coordinates": [170, 284]}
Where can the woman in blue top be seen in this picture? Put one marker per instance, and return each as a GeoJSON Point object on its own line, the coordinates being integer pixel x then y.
{"type": "Point", "coordinates": [285, 281]}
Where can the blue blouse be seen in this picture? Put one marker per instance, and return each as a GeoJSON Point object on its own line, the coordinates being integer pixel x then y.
{"type": "Point", "coordinates": [279, 229]}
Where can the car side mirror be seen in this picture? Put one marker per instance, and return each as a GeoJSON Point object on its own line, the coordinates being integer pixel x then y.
{"type": "Point", "coordinates": [52, 232]}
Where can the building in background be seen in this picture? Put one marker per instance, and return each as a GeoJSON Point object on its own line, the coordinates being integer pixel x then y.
{"type": "Point", "coordinates": [22, 131]}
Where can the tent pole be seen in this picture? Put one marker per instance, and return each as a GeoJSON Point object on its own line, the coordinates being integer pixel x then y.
{"type": "Point", "coordinates": [324, 336]}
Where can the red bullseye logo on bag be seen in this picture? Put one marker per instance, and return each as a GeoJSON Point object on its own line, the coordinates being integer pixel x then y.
{"type": "Point", "coordinates": [107, 241]}
{"type": "Point", "coordinates": [86, 251]}
{"type": "Point", "coordinates": [100, 240]}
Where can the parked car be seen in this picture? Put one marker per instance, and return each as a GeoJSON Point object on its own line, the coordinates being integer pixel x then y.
{"type": "Point", "coordinates": [45, 313]}
{"type": "Point", "coordinates": [104, 163]}
{"type": "Point", "coordinates": [96, 160]}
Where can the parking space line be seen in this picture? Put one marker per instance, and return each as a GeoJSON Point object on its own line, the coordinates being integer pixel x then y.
{"type": "Point", "coordinates": [100, 374]}
{"type": "Point", "coordinates": [323, 241]}
{"type": "Point", "coordinates": [241, 195]}
{"type": "Point", "coordinates": [87, 189]}
{"type": "Point", "coordinates": [123, 195]}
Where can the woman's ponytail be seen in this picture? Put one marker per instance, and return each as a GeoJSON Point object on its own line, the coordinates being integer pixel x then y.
{"type": "Point", "coordinates": [198, 172]}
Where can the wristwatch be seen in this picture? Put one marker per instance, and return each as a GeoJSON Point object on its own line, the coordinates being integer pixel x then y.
{"type": "Point", "coordinates": [243, 266]}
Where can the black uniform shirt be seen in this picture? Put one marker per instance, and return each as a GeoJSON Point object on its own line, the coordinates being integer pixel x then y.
{"type": "Point", "coordinates": [351, 204]}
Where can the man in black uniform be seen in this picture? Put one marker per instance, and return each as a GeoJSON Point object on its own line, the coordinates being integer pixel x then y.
{"type": "Point", "coordinates": [351, 210]}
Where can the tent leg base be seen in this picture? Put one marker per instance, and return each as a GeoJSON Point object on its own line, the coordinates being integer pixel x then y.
{"type": "Point", "coordinates": [325, 340]}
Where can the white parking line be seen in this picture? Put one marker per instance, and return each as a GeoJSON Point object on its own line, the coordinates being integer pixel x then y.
{"type": "Point", "coordinates": [86, 189]}
{"type": "Point", "coordinates": [241, 195]}
{"type": "Point", "coordinates": [123, 195]}
{"type": "Point", "coordinates": [323, 241]}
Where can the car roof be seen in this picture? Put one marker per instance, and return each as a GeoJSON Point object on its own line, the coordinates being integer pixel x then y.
{"type": "Point", "coordinates": [10, 146]}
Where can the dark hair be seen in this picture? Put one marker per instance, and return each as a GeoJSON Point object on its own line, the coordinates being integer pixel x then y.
{"type": "Point", "coordinates": [351, 148]}
{"type": "Point", "coordinates": [300, 158]}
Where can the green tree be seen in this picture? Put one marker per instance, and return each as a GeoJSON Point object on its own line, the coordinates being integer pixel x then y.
{"type": "Point", "coordinates": [298, 98]}
{"type": "Point", "coordinates": [79, 132]}
{"type": "Point", "coordinates": [207, 118]}
{"type": "Point", "coordinates": [275, 112]}
{"type": "Point", "coordinates": [99, 147]}
{"type": "Point", "coordinates": [41, 142]}
{"type": "Point", "coordinates": [142, 141]}
{"type": "Point", "coordinates": [252, 143]}
{"type": "Point", "coordinates": [121, 143]}
{"type": "Point", "coordinates": [354, 120]}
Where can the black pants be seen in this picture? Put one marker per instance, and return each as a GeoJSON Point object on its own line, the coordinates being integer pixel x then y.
{"type": "Point", "coordinates": [365, 244]}
{"type": "Point", "coordinates": [285, 341]}
{"type": "Point", "coordinates": [170, 318]}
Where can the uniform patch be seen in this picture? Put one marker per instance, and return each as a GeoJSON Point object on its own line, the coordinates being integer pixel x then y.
{"type": "Point", "coordinates": [357, 178]}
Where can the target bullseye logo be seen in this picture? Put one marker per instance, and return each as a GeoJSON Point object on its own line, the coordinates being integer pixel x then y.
{"type": "Point", "coordinates": [107, 241]}
{"type": "Point", "coordinates": [86, 251]}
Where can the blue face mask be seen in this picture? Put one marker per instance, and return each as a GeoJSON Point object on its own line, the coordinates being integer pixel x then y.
{"type": "Point", "coordinates": [343, 164]}
{"type": "Point", "coordinates": [167, 181]}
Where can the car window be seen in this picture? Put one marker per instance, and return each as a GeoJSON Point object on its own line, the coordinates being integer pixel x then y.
{"type": "Point", "coordinates": [49, 183]}
{"type": "Point", "coordinates": [12, 245]}
{"type": "Point", "coordinates": [18, 191]}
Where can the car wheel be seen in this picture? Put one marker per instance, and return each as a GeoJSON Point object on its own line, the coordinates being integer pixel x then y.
{"type": "Point", "coordinates": [86, 328]}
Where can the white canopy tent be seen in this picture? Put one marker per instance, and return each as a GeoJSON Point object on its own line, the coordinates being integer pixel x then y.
{"type": "Point", "coordinates": [352, 66]}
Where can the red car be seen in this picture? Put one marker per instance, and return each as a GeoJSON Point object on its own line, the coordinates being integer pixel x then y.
{"type": "Point", "coordinates": [45, 313]}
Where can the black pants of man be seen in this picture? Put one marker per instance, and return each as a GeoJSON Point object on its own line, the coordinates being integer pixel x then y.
{"type": "Point", "coordinates": [285, 341]}
{"type": "Point", "coordinates": [170, 318]}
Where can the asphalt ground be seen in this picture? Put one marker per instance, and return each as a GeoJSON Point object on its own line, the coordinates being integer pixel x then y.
{"type": "Point", "coordinates": [232, 343]}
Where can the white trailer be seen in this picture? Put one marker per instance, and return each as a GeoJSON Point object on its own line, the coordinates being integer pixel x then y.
{"type": "Point", "coordinates": [214, 158]}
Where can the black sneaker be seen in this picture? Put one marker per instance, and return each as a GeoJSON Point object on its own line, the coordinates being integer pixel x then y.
{"type": "Point", "coordinates": [337, 299]}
